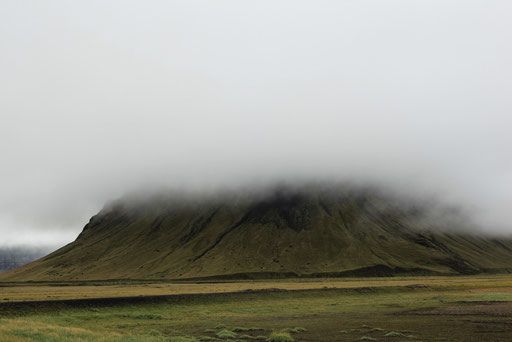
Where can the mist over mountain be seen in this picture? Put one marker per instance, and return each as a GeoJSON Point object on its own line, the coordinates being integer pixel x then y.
{"type": "Point", "coordinates": [12, 257]}
{"type": "Point", "coordinates": [204, 96]}
{"type": "Point", "coordinates": [299, 231]}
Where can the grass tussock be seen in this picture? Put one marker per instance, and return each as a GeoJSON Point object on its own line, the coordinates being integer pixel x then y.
{"type": "Point", "coordinates": [250, 337]}
{"type": "Point", "coordinates": [280, 337]}
{"type": "Point", "coordinates": [225, 334]}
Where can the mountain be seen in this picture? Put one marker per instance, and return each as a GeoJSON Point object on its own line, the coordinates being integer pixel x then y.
{"type": "Point", "coordinates": [12, 257]}
{"type": "Point", "coordinates": [309, 231]}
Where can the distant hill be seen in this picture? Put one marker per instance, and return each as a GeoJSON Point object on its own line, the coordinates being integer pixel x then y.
{"type": "Point", "coordinates": [286, 232]}
{"type": "Point", "coordinates": [12, 257]}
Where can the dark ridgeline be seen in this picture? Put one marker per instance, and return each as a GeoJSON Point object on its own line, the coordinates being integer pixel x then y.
{"type": "Point", "coordinates": [292, 232]}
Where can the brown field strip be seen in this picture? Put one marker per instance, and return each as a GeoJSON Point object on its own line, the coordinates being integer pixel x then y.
{"type": "Point", "coordinates": [10, 292]}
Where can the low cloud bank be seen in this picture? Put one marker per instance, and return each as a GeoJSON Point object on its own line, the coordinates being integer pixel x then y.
{"type": "Point", "coordinates": [411, 97]}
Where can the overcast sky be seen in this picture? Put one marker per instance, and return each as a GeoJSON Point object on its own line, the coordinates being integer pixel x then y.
{"type": "Point", "coordinates": [100, 97]}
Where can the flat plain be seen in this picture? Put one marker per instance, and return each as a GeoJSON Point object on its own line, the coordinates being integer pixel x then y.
{"type": "Point", "coordinates": [452, 308]}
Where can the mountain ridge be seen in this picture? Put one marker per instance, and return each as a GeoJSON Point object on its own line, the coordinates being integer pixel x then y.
{"type": "Point", "coordinates": [304, 232]}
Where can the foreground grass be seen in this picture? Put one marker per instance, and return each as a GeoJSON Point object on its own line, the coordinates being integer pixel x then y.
{"type": "Point", "coordinates": [362, 313]}
{"type": "Point", "coordinates": [15, 330]}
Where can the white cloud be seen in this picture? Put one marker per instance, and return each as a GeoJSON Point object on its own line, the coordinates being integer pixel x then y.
{"type": "Point", "coordinates": [100, 97]}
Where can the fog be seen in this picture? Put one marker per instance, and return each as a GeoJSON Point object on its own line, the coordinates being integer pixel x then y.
{"type": "Point", "coordinates": [98, 98]}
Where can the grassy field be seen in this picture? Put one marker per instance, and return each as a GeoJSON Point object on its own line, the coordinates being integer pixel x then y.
{"type": "Point", "coordinates": [477, 308]}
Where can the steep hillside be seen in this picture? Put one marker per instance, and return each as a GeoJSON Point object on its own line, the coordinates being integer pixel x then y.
{"type": "Point", "coordinates": [285, 232]}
